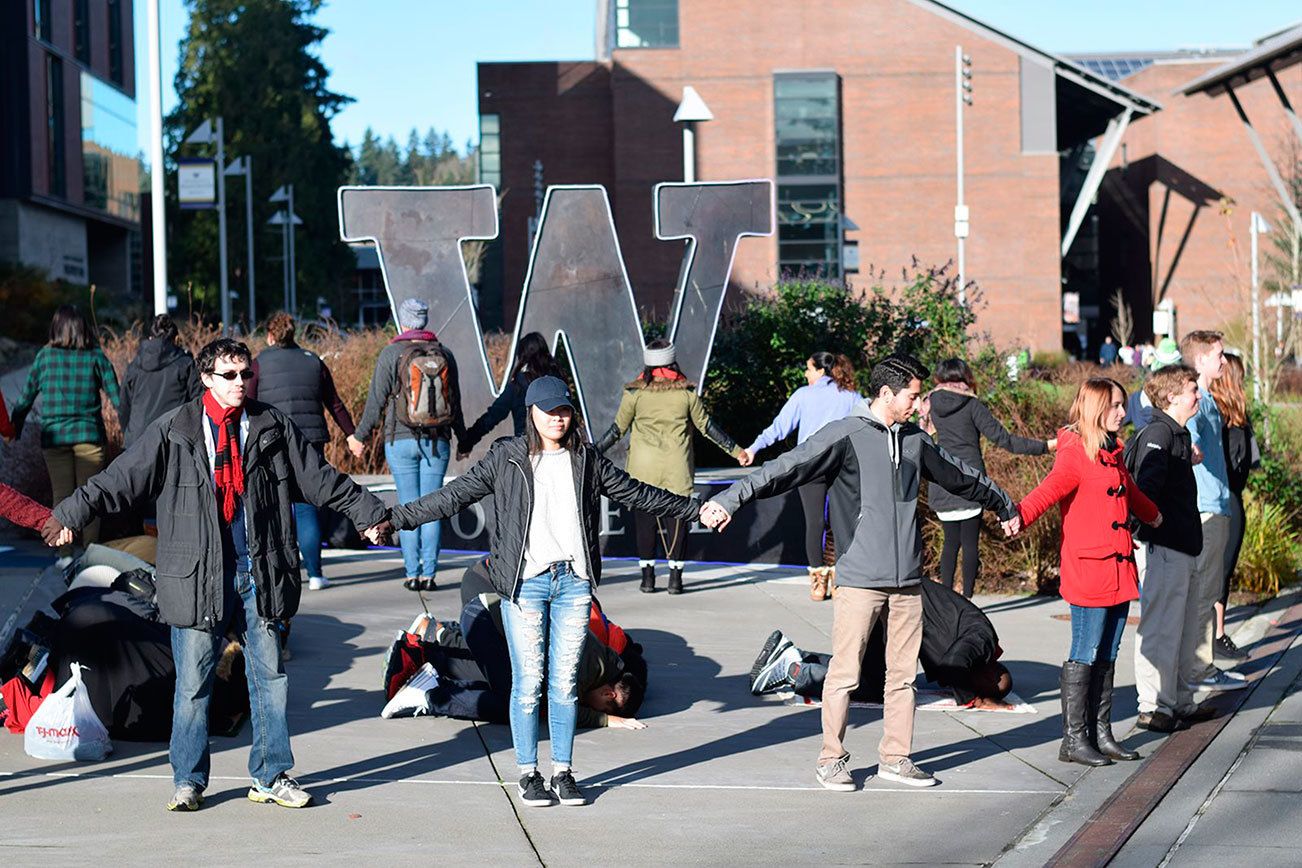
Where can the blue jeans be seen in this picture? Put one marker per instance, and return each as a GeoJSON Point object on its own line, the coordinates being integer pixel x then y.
{"type": "Point", "coordinates": [1096, 632]}
{"type": "Point", "coordinates": [309, 538]}
{"type": "Point", "coordinates": [195, 653]}
{"type": "Point", "coordinates": [418, 467]}
{"type": "Point", "coordinates": [548, 622]}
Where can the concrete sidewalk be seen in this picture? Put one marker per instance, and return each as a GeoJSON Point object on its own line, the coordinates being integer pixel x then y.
{"type": "Point", "coordinates": [719, 776]}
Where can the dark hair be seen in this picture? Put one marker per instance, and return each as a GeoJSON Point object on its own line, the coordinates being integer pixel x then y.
{"type": "Point", "coordinates": [70, 331]}
{"type": "Point", "coordinates": [162, 326]}
{"type": "Point", "coordinates": [836, 366]}
{"type": "Point", "coordinates": [955, 371]}
{"type": "Point", "coordinates": [659, 344]}
{"type": "Point", "coordinates": [992, 680]}
{"type": "Point", "coordinates": [280, 328]}
{"type": "Point", "coordinates": [895, 372]}
{"type": "Point", "coordinates": [222, 348]}
{"type": "Point", "coordinates": [629, 693]}
{"type": "Point", "coordinates": [572, 440]}
{"type": "Point", "coordinates": [534, 359]}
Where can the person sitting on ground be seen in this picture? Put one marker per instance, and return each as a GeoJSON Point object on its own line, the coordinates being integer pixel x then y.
{"type": "Point", "coordinates": [960, 651]}
{"type": "Point", "coordinates": [466, 672]}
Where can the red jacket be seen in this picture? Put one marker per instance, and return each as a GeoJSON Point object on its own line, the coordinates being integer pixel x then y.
{"type": "Point", "coordinates": [1097, 497]}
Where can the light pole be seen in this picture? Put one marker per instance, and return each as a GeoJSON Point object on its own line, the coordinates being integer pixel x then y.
{"type": "Point", "coordinates": [1256, 226]}
{"type": "Point", "coordinates": [206, 134]}
{"type": "Point", "coordinates": [286, 219]}
{"type": "Point", "coordinates": [962, 97]}
{"type": "Point", "coordinates": [691, 111]}
{"type": "Point", "coordinates": [157, 177]}
{"type": "Point", "coordinates": [244, 166]}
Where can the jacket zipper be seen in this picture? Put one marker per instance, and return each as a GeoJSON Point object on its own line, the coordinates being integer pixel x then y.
{"type": "Point", "coordinates": [895, 500]}
{"type": "Point", "coordinates": [528, 517]}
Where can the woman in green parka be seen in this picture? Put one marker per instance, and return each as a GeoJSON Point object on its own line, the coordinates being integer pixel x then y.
{"type": "Point", "coordinates": [662, 409]}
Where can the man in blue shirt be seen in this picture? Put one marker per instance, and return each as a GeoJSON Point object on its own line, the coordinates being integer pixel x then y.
{"type": "Point", "coordinates": [1205, 352]}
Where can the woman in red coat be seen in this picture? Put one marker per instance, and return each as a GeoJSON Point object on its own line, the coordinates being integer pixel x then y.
{"type": "Point", "coordinates": [1090, 481]}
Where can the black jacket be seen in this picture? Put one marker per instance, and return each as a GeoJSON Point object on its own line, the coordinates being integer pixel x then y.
{"type": "Point", "coordinates": [170, 463]}
{"type": "Point", "coordinates": [1241, 455]}
{"type": "Point", "coordinates": [961, 421]}
{"type": "Point", "coordinates": [505, 475]}
{"type": "Point", "coordinates": [873, 475]}
{"type": "Point", "coordinates": [509, 403]}
{"type": "Point", "coordinates": [160, 378]}
{"type": "Point", "coordinates": [1160, 458]}
{"type": "Point", "coordinates": [289, 379]}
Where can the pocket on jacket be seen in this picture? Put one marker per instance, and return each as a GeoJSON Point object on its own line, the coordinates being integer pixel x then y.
{"type": "Point", "coordinates": [176, 578]}
{"type": "Point", "coordinates": [191, 497]}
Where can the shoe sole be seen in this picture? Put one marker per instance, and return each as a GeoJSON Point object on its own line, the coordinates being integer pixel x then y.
{"type": "Point", "coordinates": [1221, 688]}
{"type": "Point", "coordinates": [183, 808]}
{"type": "Point", "coordinates": [764, 682]}
{"type": "Point", "coordinates": [910, 782]}
{"type": "Point", "coordinates": [269, 799]}
{"type": "Point", "coordinates": [533, 803]}
{"type": "Point", "coordinates": [836, 788]}
{"type": "Point", "coordinates": [772, 646]}
{"type": "Point", "coordinates": [573, 803]}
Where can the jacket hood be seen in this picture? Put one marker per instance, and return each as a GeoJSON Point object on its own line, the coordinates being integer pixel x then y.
{"type": "Point", "coordinates": [157, 353]}
{"type": "Point", "coordinates": [946, 402]}
{"type": "Point", "coordinates": [660, 384]}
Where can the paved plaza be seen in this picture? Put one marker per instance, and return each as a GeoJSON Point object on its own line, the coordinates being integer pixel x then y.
{"type": "Point", "coordinates": [719, 776]}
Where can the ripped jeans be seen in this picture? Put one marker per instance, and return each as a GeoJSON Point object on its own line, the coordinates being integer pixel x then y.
{"type": "Point", "coordinates": [548, 622]}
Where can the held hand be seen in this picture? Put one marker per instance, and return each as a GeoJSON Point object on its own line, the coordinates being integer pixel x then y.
{"type": "Point", "coordinates": [1012, 527]}
{"type": "Point", "coordinates": [745, 459]}
{"type": "Point", "coordinates": [614, 721]}
{"type": "Point", "coordinates": [355, 446]}
{"type": "Point", "coordinates": [1157, 522]}
{"type": "Point", "coordinates": [1197, 455]}
{"type": "Point", "coordinates": [380, 534]}
{"type": "Point", "coordinates": [462, 456]}
{"type": "Point", "coordinates": [54, 533]}
{"type": "Point", "coordinates": [1052, 443]}
{"type": "Point", "coordinates": [714, 516]}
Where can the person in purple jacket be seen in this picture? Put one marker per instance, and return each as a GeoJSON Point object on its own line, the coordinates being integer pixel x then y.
{"type": "Point", "coordinates": [830, 395]}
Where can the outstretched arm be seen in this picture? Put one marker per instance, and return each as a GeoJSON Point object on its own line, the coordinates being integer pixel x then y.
{"type": "Point", "coordinates": [954, 476]}
{"type": "Point", "coordinates": [819, 457]}
{"type": "Point", "coordinates": [1061, 481]}
{"type": "Point", "coordinates": [470, 487]}
{"type": "Point", "coordinates": [632, 494]}
{"type": "Point", "coordinates": [323, 485]}
{"type": "Point", "coordinates": [701, 419]}
{"type": "Point", "coordinates": [781, 426]}
{"type": "Point", "coordinates": [135, 475]}
{"type": "Point", "coordinates": [994, 431]}
{"type": "Point", "coordinates": [623, 419]}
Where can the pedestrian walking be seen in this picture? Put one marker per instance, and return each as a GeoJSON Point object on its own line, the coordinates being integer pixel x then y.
{"type": "Point", "coordinates": [533, 359]}
{"type": "Point", "coordinates": [161, 377]}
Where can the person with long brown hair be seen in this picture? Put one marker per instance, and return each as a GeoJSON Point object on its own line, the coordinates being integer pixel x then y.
{"type": "Point", "coordinates": [830, 393]}
{"type": "Point", "coordinates": [1099, 579]}
{"type": "Point", "coordinates": [68, 375]}
{"type": "Point", "coordinates": [1241, 456]}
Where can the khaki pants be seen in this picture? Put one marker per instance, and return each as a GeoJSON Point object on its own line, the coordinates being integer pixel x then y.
{"type": "Point", "coordinates": [855, 612]}
{"type": "Point", "coordinates": [69, 468]}
{"type": "Point", "coordinates": [1162, 642]}
{"type": "Point", "coordinates": [1208, 578]}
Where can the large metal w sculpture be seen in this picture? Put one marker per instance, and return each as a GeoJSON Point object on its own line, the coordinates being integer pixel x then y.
{"type": "Point", "coordinates": [576, 289]}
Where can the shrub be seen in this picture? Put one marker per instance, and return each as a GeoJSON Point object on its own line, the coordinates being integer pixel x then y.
{"type": "Point", "coordinates": [1272, 547]}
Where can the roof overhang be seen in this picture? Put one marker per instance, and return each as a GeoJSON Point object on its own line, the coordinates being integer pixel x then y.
{"type": "Point", "coordinates": [1273, 54]}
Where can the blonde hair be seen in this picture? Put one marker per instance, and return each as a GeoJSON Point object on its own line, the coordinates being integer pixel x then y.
{"type": "Point", "coordinates": [1093, 400]}
{"type": "Point", "coordinates": [1227, 389]}
{"type": "Point", "coordinates": [1197, 343]}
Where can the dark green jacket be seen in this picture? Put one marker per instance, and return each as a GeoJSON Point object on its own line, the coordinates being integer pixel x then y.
{"type": "Point", "coordinates": [69, 383]}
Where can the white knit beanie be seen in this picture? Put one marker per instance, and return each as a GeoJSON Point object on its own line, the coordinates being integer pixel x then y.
{"type": "Point", "coordinates": [659, 358]}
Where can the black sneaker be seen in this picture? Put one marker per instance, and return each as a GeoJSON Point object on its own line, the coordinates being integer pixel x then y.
{"type": "Point", "coordinates": [566, 790]}
{"type": "Point", "coordinates": [1226, 649]}
{"type": "Point", "coordinates": [534, 792]}
{"type": "Point", "coordinates": [773, 646]}
{"type": "Point", "coordinates": [1157, 721]}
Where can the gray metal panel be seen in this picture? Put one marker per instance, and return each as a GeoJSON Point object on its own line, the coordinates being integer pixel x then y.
{"type": "Point", "coordinates": [1039, 99]}
{"type": "Point", "coordinates": [1284, 49]}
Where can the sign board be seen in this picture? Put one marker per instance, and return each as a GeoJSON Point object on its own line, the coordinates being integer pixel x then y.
{"type": "Point", "coordinates": [850, 257]}
{"type": "Point", "coordinates": [1163, 322]}
{"type": "Point", "coordinates": [196, 183]}
{"type": "Point", "coordinates": [1071, 308]}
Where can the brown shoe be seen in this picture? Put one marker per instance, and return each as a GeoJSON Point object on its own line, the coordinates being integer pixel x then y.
{"type": "Point", "coordinates": [818, 584]}
{"type": "Point", "coordinates": [831, 581]}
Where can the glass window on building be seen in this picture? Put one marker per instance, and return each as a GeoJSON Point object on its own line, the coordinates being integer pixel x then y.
{"type": "Point", "coordinates": [115, 41]}
{"type": "Point", "coordinates": [807, 136]}
{"type": "Point", "coordinates": [646, 23]}
{"type": "Point", "coordinates": [41, 16]}
{"type": "Point", "coordinates": [81, 30]}
{"type": "Point", "coordinates": [109, 150]}
{"type": "Point", "coordinates": [54, 126]}
{"type": "Point", "coordinates": [490, 150]}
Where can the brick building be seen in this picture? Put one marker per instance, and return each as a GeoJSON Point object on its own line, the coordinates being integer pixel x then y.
{"type": "Point", "coordinates": [850, 106]}
{"type": "Point", "coordinates": [69, 167]}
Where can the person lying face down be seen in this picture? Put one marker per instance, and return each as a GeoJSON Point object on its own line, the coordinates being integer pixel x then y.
{"type": "Point", "coordinates": [960, 650]}
{"type": "Point", "coordinates": [463, 669]}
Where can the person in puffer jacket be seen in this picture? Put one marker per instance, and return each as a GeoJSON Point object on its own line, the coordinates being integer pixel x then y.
{"type": "Point", "coordinates": [160, 378]}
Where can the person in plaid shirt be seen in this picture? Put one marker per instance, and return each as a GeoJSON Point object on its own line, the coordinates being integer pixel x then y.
{"type": "Point", "coordinates": [68, 374]}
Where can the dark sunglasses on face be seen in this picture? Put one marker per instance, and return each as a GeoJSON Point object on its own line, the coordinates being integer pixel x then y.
{"type": "Point", "coordinates": [245, 374]}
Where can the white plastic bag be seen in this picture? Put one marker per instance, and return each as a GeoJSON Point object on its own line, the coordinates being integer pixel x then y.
{"type": "Point", "coordinates": [66, 727]}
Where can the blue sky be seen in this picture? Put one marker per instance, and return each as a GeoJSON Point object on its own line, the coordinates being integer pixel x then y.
{"type": "Point", "coordinates": [411, 63]}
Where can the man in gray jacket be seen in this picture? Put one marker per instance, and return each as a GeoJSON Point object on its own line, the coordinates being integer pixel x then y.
{"type": "Point", "coordinates": [225, 473]}
{"type": "Point", "coordinates": [873, 462]}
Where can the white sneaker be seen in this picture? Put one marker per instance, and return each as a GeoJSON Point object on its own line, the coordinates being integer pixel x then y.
{"type": "Point", "coordinates": [413, 699]}
{"type": "Point", "coordinates": [317, 583]}
{"type": "Point", "coordinates": [1221, 680]}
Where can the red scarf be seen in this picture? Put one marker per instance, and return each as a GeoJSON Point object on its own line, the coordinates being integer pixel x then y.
{"type": "Point", "coordinates": [667, 374]}
{"type": "Point", "coordinates": [228, 468]}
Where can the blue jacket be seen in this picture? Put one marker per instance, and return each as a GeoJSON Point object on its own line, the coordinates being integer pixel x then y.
{"type": "Point", "coordinates": [808, 409]}
{"type": "Point", "coordinates": [1212, 475]}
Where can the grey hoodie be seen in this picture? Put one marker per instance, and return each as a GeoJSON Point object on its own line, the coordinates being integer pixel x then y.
{"type": "Point", "coordinates": [873, 473]}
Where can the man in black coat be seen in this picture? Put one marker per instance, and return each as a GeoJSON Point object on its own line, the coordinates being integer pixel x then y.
{"type": "Point", "coordinates": [160, 378]}
{"type": "Point", "coordinates": [225, 473]}
{"type": "Point", "coordinates": [960, 650]}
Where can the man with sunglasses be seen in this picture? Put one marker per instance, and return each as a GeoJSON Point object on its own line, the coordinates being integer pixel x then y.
{"type": "Point", "coordinates": [225, 472]}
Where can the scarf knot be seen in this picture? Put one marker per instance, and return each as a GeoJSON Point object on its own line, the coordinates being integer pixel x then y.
{"type": "Point", "coordinates": [228, 466]}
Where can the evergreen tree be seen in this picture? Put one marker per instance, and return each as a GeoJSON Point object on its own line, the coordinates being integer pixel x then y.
{"type": "Point", "coordinates": [254, 63]}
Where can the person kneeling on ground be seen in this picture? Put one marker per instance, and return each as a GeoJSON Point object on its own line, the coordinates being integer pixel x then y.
{"type": "Point", "coordinates": [960, 650]}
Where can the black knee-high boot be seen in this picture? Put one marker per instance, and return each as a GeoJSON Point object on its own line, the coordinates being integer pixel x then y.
{"type": "Point", "coordinates": [1074, 684]}
{"type": "Point", "coordinates": [1099, 713]}
{"type": "Point", "coordinates": [648, 580]}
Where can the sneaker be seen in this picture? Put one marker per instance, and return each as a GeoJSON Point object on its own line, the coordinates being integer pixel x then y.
{"type": "Point", "coordinates": [413, 699]}
{"type": "Point", "coordinates": [534, 792]}
{"type": "Point", "coordinates": [1225, 648]}
{"type": "Point", "coordinates": [566, 790]}
{"type": "Point", "coordinates": [187, 797]}
{"type": "Point", "coordinates": [284, 791]}
{"type": "Point", "coordinates": [1197, 714]}
{"type": "Point", "coordinates": [777, 674]}
{"type": "Point", "coordinates": [420, 625]}
{"type": "Point", "coordinates": [419, 584]}
{"type": "Point", "coordinates": [1157, 721]}
{"type": "Point", "coordinates": [905, 772]}
{"type": "Point", "coordinates": [1221, 680]}
{"type": "Point", "coordinates": [774, 645]}
{"type": "Point", "coordinates": [835, 775]}
{"type": "Point", "coordinates": [317, 583]}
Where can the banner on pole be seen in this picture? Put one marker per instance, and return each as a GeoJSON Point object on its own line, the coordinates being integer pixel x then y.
{"type": "Point", "coordinates": [196, 183]}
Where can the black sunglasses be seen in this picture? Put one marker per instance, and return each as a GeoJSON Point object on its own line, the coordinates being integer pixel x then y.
{"type": "Point", "coordinates": [245, 374]}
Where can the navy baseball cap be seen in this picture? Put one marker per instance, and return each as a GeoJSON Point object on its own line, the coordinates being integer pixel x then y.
{"type": "Point", "coordinates": [548, 393]}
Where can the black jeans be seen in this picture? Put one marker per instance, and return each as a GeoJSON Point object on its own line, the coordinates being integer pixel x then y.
{"type": "Point", "coordinates": [813, 500]}
{"type": "Point", "coordinates": [967, 534]}
{"type": "Point", "coordinates": [1232, 548]}
{"type": "Point", "coordinates": [474, 669]}
{"type": "Point", "coordinates": [672, 530]}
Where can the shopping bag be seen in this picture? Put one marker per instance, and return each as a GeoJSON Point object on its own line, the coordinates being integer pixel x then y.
{"type": "Point", "coordinates": [66, 727]}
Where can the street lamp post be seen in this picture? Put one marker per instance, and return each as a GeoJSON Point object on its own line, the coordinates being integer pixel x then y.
{"type": "Point", "coordinates": [244, 166]}
{"type": "Point", "coordinates": [287, 220]}
{"type": "Point", "coordinates": [1256, 226]}
{"type": "Point", "coordinates": [157, 176]}
{"type": "Point", "coordinates": [691, 111]}
{"type": "Point", "coordinates": [962, 97]}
